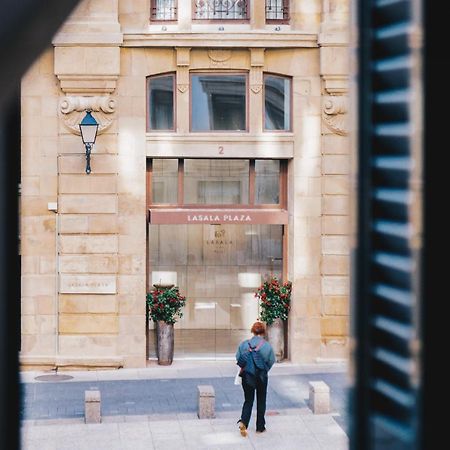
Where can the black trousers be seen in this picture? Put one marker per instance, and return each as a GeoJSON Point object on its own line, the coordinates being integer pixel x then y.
{"type": "Point", "coordinates": [250, 384]}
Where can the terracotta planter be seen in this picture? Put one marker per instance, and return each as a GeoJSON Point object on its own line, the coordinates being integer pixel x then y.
{"type": "Point", "coordinates": [275, 336]}
{"type": "Point", "coordinates": [164, 342]}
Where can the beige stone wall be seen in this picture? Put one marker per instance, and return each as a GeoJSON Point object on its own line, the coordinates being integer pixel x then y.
{"type": "Point", "coordinates": [38, 223]}
{"type": "Point", "coordinates": [84, 266]}
{"type": "Point", "coordinates": [335, 264]}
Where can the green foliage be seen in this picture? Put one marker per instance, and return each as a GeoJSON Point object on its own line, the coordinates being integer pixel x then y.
{"type": "Point", "coordinates": [165, 304]}
{"type": "Point", "coordinates": [274, 299]}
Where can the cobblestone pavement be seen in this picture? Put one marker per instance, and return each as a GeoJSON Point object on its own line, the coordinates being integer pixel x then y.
{"type": "Point", "coordinates": [156, 409]}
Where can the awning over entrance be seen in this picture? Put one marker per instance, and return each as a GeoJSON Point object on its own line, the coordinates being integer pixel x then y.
{"type": "Point", "coordinates": [219, 216]}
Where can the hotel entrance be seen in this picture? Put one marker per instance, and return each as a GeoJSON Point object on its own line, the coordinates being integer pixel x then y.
{"type": "Point", "coordinates": [217, 253]}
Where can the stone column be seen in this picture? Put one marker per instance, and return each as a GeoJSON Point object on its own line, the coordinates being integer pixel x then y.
{"type": "Point", "coordinates": [334, 69]}
{"type": "Point", "coordinates": [87, 65]}
{"type": "Point", "coordinates": [305, 14]}
{"type": "Point", "coordinates": [257, 15]}
{"type": "Point", "coordinates": [182, 89]}
{"type": "Point", "coordinates": [256, 90]}
{"type": "Point", "coordinates": [305, 211]}
{"type": "Point", "coordinates": [184, 15]}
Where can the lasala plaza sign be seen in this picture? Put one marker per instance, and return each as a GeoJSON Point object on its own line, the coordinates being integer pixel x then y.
{"type": "Point", "coordinates": [236, 216]}
{"type": "Point", "coordinates": [219, 218]}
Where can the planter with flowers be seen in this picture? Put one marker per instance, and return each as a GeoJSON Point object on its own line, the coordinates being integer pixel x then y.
{"type": "Point", "coordinates": [164, 307]}
{"type": "Point", "coordinates": [275, 302]}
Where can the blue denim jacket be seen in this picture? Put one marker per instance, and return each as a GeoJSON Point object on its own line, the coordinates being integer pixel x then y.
{"type": "Point", "coordinates": [266, 351]}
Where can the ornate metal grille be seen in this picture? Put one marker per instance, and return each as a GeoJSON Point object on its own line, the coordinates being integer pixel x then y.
{"type": "Point", "coordinates": [277, 10]}
{"type": "Point", "coordinates": [221, 9]}
{"type": "Point", "coordinates": [164, 10]}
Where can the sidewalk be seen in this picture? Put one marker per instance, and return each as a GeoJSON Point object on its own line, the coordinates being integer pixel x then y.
{"type": "Point", "coordinates": [155, 408]}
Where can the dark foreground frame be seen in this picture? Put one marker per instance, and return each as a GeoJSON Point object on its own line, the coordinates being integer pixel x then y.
{"type": "Point", "coordinates": [26, 29]}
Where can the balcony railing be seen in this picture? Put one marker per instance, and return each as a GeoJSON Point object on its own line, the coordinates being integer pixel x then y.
{"type": "Point", "coordinates": [164, 10]}
{"type": "Point", "coordinates": [221, 9]}
{"type": "Point", "coordinates": [277, 10]}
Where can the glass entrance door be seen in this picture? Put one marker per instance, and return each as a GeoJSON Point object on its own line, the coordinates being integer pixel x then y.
{"type": "Point", "coordinates": [218, 268]}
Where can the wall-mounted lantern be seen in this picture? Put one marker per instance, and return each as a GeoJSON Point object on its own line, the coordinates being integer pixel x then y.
{"type": "Point", "coordinates": [88, 129]}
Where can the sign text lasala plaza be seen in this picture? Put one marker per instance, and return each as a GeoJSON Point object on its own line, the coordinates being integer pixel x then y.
{"type": "Point", "coordinates": [219, 218]}
{"type": "Point", "coordinates": [214, 216]}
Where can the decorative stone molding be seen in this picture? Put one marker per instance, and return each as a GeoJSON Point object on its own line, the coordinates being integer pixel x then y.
{"type": "Point", "coordinates": [256, 79]}
{"type": "Point", "coordinates": [334, 114]}
{"type": "Point", "coordinates": [335, 84]}
{"type": "Point", "coordinates": [73, 109]}
{"type": "Point", "coordinates": [219, 58]}
{"type": "Point", "coordinates": [183, 87]}
{"type": "Point", "coordinates": [183, 63]}
{"type": "Point", "coordinates": [256, 72]}
{"type": "Point", "coordinates": [183, 56]}
{"type": "Point", "coordinates": [88, 84]}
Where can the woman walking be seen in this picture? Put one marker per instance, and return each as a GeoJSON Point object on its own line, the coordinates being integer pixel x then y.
{"type": "Point", "coordinates": [256, 357]}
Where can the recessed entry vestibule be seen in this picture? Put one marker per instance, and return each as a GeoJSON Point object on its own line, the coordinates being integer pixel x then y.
{"type": "Point", "coordinates": [215, 229]}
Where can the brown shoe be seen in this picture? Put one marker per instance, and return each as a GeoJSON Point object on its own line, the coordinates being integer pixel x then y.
{"type": "Point", "coordinates": [243, 429]}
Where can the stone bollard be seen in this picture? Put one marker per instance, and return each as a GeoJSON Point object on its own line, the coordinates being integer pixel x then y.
{"type": "Point", "coordinates": [319, 397]}
{"type": "Point", "coordinates": [206, 402]}
{"type": "Point", "coordinates": [92, 407]}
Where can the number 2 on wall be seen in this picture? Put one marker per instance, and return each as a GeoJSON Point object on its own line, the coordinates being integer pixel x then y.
{"type": "Point", "coordinates": [220, 150]}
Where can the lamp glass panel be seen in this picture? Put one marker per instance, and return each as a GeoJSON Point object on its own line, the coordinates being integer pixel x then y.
{"type": "Point", "coordinates": [88, 133]}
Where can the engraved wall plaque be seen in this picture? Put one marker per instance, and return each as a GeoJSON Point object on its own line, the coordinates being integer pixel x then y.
{"type": "Point", "coordinates": [87, 284]}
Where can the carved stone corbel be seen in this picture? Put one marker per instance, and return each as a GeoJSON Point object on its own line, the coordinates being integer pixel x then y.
{"type": "Point", "coordinates": [183, 63]}
{"type": "Point", "coordinates": [256, 71]}
{"type": "Point", "coordinates": [73, 108]}
{"type": "Point", "coordinates": [334, 114]}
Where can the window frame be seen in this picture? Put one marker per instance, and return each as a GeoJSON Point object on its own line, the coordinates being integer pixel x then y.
{"type": "Point", "coordinates": [282, 204]}
{"type": "Point", "coordinates": [174, 103]}
{"type": "Point", "coordinates": [286, 3]}
{"type": "Point", "coordinates": [197, 20]}
{"type": "Point", "coordinates": [247, 104]}
{"type": "Point", "coordinates": [154, 20]}
{"type": "Point", "coordinates": [291, 102]}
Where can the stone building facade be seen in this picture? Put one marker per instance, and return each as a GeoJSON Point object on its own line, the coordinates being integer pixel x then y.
{"type": "Point", "coordinates": [87, 247]}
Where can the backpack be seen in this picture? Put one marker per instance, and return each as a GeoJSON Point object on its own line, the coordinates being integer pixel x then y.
{"type": "Point", "coordinates": [252, 352]}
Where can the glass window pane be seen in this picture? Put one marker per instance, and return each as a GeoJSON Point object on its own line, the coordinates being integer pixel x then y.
{"type": "Point", "coordinates": [161, 103]}
{"type": "Point", "coordinates": [218, 102]}
{"type": "Point", "coordinates": [164, 9]}
{"type": "Point", "coordinates": [277, 9]}
{"type": "Point", "coordinates": [218, 182]}
{"type": "Point", "coordinates": [165, 181]}
{"type": "Point", "coordinates": [277, 114]}
{"type": "Point", "coordinates": [267, 181]}
{"type": "Point", "coordinates": [218, 268]}
{"type": "Point", "coordinates": [221, 9]}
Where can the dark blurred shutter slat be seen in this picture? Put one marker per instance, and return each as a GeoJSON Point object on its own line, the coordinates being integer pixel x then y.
{"type": "Point", "coordinates": [386, 264]}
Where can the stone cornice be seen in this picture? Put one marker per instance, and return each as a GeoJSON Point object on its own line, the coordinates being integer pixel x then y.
{"type": "Point", "coordinates": [222, 137]}
{"type": "Point", "coordinates": [334, 39]}
{"type": "Point", "coordinates": [237, 40]}
{"type": "Point", "coordinates": [87, 39]}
